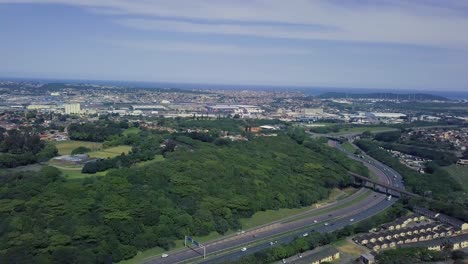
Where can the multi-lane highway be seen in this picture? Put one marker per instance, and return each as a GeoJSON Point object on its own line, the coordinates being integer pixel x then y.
{"type": "Point", "coordinates": [359, 206]}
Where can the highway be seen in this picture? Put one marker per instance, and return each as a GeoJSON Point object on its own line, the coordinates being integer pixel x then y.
{"type": "Point", "coordinates": [326, 219]}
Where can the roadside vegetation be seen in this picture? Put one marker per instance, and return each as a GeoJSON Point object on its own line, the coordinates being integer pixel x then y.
{"type": "Point", "coordinates": [459, 173]}
{"type": "Point", "coordinates": [315, 239]}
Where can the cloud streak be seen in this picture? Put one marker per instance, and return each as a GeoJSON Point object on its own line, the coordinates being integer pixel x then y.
{"type": "Point", "coordinates": [426, 23]}
{"type": "Point", "coordinates": [197, 47]}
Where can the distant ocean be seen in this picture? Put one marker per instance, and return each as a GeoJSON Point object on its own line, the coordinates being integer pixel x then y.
{"type": "Point", "coordinates": [454, 94]}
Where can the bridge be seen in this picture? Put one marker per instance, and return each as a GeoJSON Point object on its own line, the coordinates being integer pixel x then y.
{"type": "Point", "coordinates": [387, 187]}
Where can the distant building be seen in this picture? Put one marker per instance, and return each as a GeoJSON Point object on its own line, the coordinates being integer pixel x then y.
{"type": "Point", "coordinates": [319, 255]}
{"type": "Point", "coordinates": [148, 107]}
{"type": "Point", "coordinates": [72, 108]}
{"type": "Point", "coordinates": [39, 107]}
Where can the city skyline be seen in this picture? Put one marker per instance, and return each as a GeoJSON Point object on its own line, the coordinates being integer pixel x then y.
{"type": "Point", "coordinates": [392, 44]}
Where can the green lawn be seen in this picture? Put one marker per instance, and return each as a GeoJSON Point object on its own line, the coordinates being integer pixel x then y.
{"type": "Point", "coordinates": [66, 147]}
{"type": "Point", "coordinates": [264, 217]}
{"type": "Point", "coordinates": [109, 152]}
{"type": "Point", "coordinates": [348, 147]}
{"type": "Point", "coordinates": [459, 173]}
{"type": "Point", "coordinates": [157, 158]}
{"type": "Point", "coordinates": [132, 130]}
{"type": "Point", "coordinates": [364, 128]}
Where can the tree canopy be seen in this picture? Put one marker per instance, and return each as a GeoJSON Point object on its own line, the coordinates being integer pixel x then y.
{"type": "Point", "coordinates": [197, 189]}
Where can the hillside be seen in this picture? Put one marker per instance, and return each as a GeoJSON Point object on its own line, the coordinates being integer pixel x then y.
{"type": "Point", "coordinates": [193, 191]}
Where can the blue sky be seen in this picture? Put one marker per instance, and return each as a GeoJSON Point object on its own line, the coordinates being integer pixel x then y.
{"type": "Point", "coordinates": [392, 44]}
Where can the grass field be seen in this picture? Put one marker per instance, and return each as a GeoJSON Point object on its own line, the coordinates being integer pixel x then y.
{"type": "Point", "coordinates": [264, 217]}
{"type": "Point", "coordinates": [109, 152]}
{"type": "Point", "coordinates": [66, 147]}
{"type": "Point", "coordinates": [349, 247]}
{"type": "Point", "coordinates": [157, 158]}
{"type": "Point", "coordinates": [132, 130]}
{"type": "Point", "coordinates": [364, 128]}
{"type": "Point", "coordinates": [459, 173]}
{"type": "Point", "coordinates": [348, 147]}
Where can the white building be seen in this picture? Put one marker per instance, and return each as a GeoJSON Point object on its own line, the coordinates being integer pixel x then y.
{"type": "Point", "coordinates": [72, 108]}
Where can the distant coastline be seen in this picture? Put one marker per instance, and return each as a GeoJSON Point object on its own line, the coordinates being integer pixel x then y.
{"type": "Point", "coordinates": [310, 90]}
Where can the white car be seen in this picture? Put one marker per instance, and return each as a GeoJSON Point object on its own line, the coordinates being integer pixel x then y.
{"type": "Point", "coordinates": [243, 249]}
{"type": "Point", "coordinates": [326, 224]}
{"type": "Point", "coordinates": [315, 221]}
{"type": "Point", "coordinates": [305, 234]}
{"type": "Point", "coordinates": [164, 255]}
{"type": "Point", "coordinates": [351, 220]}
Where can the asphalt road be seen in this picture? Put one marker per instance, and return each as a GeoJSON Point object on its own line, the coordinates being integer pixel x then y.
{"type": "Point", "coordinates": [228, 248]}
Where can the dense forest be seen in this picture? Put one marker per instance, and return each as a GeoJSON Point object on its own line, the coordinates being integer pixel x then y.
{"type": "Point", "coordinates": [96, 132]}
{"type": "Point", "coordinates": [436, 151]}
{"type": "Point", "coordinates": [200, 187]}
{"type": "Point", "coordinates": [23, 147]}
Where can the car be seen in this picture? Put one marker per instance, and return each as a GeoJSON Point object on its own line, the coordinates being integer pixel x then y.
{"type": "Point", "coordinates": [330, 215]}
{"type": "Point", "coordinates": [315, 221]}
{"type": "Point", "coordinates": [284, 261]}
{"type": "Point", "coordinates": [351, 220]}
{"type": "Point", "coordinates": [305, 234]}
{"type": "Point", "coordinates": [164, 255]}
{"type": "Point", "coordinates": [326, 224]}
{"type": "Point", "coordinates": [243, 249]}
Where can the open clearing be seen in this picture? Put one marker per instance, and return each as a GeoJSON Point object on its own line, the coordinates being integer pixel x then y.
{"type": "Point", "coordinates": [132, 130]}
{"type": "Point", "coordinates": [459, 173]}
{"type": "Point", "coordinates": [348, 147]}
{"type": "Point", "coordinates": [110, 152]}
{"type": "Point", "coordinates": [363, 129]}
{"type": "Point", "coordinates": [157, 158]}
{"type": "Point", "coordinates": [66, 147]}
{"type": "Point", "coordinates": [349, 247]}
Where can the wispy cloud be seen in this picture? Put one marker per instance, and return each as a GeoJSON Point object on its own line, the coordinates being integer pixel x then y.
{"type": "Point", "coordinates": [427, 23]}
{"type": "Point", "coordinates": [202, 47]}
